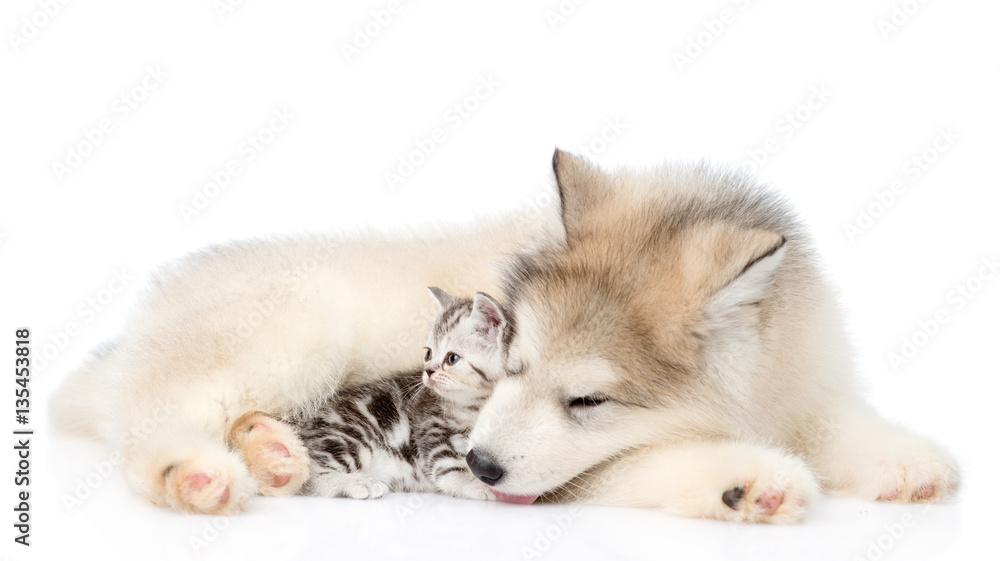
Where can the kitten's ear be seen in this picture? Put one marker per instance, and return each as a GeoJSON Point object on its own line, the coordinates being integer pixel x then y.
{"type": "Point", "coordinates": [488, 318]}
{"type": "Point", "coordinates": [442, 298]}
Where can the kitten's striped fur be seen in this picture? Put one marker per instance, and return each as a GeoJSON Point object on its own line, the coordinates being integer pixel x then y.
{"type": "Point", "coordinates": [408, 433]}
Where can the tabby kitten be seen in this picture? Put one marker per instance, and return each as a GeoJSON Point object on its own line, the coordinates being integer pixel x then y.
{"type": "Point", "coordinates": [409, 433]}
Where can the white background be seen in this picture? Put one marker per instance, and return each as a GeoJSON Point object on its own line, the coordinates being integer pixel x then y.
{"type": "Point", "coordinates": [560, 82]}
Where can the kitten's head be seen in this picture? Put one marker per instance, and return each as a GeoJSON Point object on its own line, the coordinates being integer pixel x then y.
{"type": "Point", "coordinates": [465, 351]}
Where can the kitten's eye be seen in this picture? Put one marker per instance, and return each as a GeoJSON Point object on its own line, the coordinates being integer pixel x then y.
{"type": "Point", "coordinates": [427, 355]}
{"type": "Point", "coordinates": [452, 358]}
{"type": "Point", "coordinates": [588, 401]}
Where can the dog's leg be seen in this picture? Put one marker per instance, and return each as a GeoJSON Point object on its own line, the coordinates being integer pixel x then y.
{"type": "Point", "coordinates": [274, 453]}
{"type": "Point", "coordinates": [718, 480]}
{"type": "Point", "coordinates": [864, 456]}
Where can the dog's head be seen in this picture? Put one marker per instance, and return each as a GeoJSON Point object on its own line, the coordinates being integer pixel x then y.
{"type": "Point", "coordinates": [624, 333]}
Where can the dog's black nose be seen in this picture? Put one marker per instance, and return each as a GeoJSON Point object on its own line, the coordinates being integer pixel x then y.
{"type": "Point", "coordinates": [483, 467]}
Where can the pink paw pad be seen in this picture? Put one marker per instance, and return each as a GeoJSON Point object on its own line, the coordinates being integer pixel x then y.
{"type": "Point", "coordinates": [194, 483]}
{"type": "Point", "coordinates": [197, 482]}
{"type": "Point", "coordinates": [924, 493]}
{"type": "Point", "coordinates": [890, 496]}
{"type": "Point", "coordinates": [278, 449]}
{"type": "Point", "coordinates": [770, 502]}
{"type": "Point", "coordinates": [280, 480]}
{"type": "Point", "coordinates": [260, 427]}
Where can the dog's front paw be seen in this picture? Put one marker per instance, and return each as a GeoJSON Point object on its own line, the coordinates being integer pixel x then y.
{"type": "Point", "coordinates": [779, 494]}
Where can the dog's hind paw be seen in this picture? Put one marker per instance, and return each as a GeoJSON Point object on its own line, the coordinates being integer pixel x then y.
{"type": "Point", "coordinates": [916, 479]}
{"type": "Point", "coordinates": [273, 452]}
{"type": "Point", "coordinates": [202, 486]}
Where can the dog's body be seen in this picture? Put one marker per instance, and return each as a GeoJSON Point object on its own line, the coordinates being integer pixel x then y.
{"type": "Point", "coordinates": [675, 347]}
{"type": "Point", "coordinates": [682, 351]}
{"type": "Point", "coordinates": [271, 327]}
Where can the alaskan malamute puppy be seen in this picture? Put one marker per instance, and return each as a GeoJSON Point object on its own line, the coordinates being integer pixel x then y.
{"type": "Point", "coordinates": [682, 351]}
{"type": "Point", "coordinates": [674, 347]}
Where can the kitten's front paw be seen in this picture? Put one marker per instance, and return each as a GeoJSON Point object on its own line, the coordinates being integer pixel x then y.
{"type": "Point", "coordinates": [476, 491]}
{"type": "Point", "coordinates": [780, 495]}
{"type": "Point", "coordinates": [274, 453]}
{"type": "Point", "coordinates": [460, 443]}
{"type": "Point", "coordinates": [368, 488]}
{"type": "Point", "coordinates": [346, 485]}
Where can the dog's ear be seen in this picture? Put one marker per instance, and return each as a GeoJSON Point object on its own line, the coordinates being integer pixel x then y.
{"type": "Point", "coordinates": [442, 298]}
{"type": "Point", "coordinates": [582, 188]}
{"type": "Point", "coordinates": [752, 283]}
{"type": "Point", "coordinates": [733, 269]}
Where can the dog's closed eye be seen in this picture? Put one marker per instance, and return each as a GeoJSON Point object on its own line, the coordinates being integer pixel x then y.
{"type": "Point", "coordinates": [588, 401]}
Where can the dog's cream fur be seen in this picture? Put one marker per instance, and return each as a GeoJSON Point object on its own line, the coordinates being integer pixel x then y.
{"type": "Point", "coordinates": [689, 301]}
{"type": "Point", "coordinates": [686, 297]}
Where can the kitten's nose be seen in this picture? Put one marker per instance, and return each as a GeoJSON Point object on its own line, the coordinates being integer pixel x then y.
{"type": "Point", "coordinates": [483, 467]}
{"type": "Point", "coordinates": [430, 372]}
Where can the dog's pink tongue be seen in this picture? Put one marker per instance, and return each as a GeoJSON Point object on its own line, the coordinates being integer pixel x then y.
{"type": "Point", "coordinates": [514, 499]}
